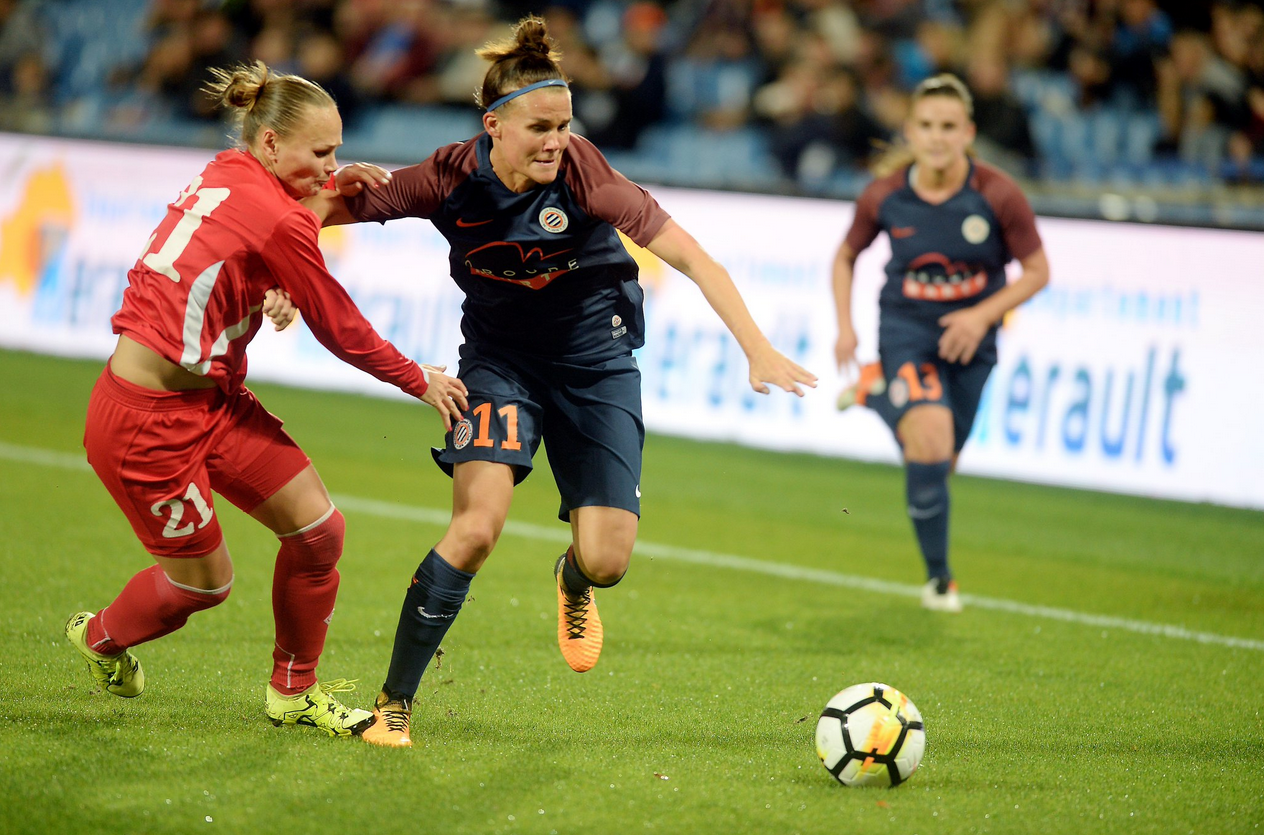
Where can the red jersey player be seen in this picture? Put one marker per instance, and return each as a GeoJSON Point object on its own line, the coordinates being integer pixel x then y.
{"type": "Point", "coordinates": [169, 419]}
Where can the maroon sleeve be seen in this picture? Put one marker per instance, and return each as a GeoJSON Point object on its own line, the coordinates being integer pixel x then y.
{"type": "Point", "coordinates": [295, 260]}
{"type": "Point", "coordinates": [1018, 222]}
{"type": "Point", "coordinates": [415, 190]}
{"type": "Point", "coordinates": [607, 195]}
{"type": "Point", "coordinates": [864, 223]}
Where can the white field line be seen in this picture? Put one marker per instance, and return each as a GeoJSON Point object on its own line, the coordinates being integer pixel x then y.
{"type": "Point", "coordinates": [560, 535]}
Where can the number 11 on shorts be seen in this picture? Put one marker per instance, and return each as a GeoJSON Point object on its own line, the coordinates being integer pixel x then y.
{"type": "Point", "coordinates": [483, 436]}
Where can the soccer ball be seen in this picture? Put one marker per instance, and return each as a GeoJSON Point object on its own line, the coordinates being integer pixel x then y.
{"type": "Point", "coordinates": [870, 734]}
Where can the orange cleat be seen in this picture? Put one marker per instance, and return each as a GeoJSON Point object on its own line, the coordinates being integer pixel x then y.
{"type": "Point", "coordinates": [871, 382]}
{"type": "Point", "coordinates": [390, 728]}
{"type": "Point", "coordinates": [579, 630]}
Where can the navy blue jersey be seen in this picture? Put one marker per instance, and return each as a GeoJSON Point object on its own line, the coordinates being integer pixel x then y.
{"type": "Point", "coordinates": [949, 255]}
{"type": "Point", "coordinates": [544, 272]}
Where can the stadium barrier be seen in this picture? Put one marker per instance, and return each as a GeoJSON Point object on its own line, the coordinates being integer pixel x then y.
{"type": "Point", "coordinates": [1130, 373]}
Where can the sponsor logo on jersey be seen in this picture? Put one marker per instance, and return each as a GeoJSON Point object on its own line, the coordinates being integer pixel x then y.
{"type": "Point", "coordinates": [553, 219]}
{"type": "Point", "coordinates": [531, 268]}
{"type": "Point", "coordinates": [466, 224]}
{"type": "Point", "coordinates": [903, 231]}
{"type": "Point", "coordinates": [975, 229]}
{"type": "Point", "coordinates": [618, 332]}
{"type": "Point", "coordinates": [934, 277]}
{"type": "Point", "coordinates": [462, 433]}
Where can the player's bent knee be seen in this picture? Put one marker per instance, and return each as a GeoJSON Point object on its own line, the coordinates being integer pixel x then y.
{"type": "Point", "coordinates": [606, 579]}
{"type": "Point", "coordinates": [189, 599]}
{"type": "Point", "coordinates": [316, 547]}
{"type": "Point", "coordinates": [604, 568]}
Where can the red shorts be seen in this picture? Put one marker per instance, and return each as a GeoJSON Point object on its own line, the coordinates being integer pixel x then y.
{"type": "Point", "coordinates": [160, 454]}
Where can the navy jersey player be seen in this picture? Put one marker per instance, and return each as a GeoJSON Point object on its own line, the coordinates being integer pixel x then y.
{"type": "Point", "coordinates": [552, 312]}
{"type": "Point", "coordinates": [954, 223]}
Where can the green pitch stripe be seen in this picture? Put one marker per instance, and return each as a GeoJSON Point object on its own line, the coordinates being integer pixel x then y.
{"type": "Point", "coordinates": [732, 562]}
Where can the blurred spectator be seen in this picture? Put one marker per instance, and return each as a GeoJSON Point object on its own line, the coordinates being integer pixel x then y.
{"type": "Point", "coordinates": [25, 100]}
{"type": "Point", "coordinates": [637, 69]}
{"type": "Point", "coordinates": [460, 71]}
{"type": "Point", "coordinates": [1141, 39]}
{"type": "Point", "coordinates": [1200, 99]}
{"type": "Point", "coordinates": [1004, 134]}
{"type": "Point", "coordinates": [817, 121]}
{"type": "Point", "coordinates": [399, 50]}
{"type": "Point", "coordinates": [713, 82]}
{"type": "Point", "coordinates": [319, 57]}
{"type": "Point", "coordinates": [189, 41]}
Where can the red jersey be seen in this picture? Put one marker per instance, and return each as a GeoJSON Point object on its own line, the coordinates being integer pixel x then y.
{"type": "Point", "coordinates": [196, 295]}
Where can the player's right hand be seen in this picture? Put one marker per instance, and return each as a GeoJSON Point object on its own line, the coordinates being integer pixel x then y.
{"type": "Point", "coordinates": [845, 348]}
{"type": "Point", "coordinates": [447, 394]}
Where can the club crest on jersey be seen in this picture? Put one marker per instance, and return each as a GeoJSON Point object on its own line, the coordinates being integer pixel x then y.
{"type": "Point", "coordinates": [616, 320]}
{"type": "Point", "coordinates": [462, 433]}
{"type": "Point", "coordinates": [975, 229]}
{"type": "Point", "coordinates": [553, 219]}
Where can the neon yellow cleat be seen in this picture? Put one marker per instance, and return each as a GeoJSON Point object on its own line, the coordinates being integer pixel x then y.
{"type": "Point", "coordinates": [118, 674]}
{"type": "Point", "coordinates": [391, 728]}
{"type": "Point", "coordinates": [316, 708]}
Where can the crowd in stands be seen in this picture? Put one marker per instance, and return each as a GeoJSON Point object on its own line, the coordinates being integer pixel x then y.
{"type": "Point", "coordinates": [1148, 91]}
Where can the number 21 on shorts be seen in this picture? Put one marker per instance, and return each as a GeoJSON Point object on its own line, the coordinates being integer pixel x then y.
{"type": "Point", "coordinates": [174, 509]}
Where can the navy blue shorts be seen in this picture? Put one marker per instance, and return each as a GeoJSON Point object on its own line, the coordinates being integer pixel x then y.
{"type": "Point", "coordinates": [916, 375]}
{"type": "Point", "coordinates": [588, 415]}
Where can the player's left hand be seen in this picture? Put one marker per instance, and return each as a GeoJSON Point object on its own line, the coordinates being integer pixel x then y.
{"type": "Point", "coordinates": [278, 307]}
{"type": "Point", "coordinates": [351, 179]}
{"type": "Point", "coordinates": [768, 365]}
{"type": "Point", "coordinates": [963, 331]}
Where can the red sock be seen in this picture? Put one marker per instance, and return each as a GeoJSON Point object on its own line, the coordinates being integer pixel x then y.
{"type": "Point", "coordinates": [304, 587]}
{"type": "Point", "coordinates": [149, 606]}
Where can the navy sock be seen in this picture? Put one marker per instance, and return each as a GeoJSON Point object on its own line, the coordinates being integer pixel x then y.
{"type": "Point", "coordinates": [926, 486]}
{"type": "Point", "coordinates": [574, 580]}
{"type": "Point", "coordinates": [431, 604]}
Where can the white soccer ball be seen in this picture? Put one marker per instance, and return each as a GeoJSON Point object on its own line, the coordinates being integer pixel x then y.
{"type": "Point", "coordinates": [870, 734]}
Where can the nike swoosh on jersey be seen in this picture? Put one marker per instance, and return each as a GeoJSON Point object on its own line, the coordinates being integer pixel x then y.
{"type": "Point", "coordinates": [902, 231]}
{"type": "Point", "coordinates": [465, 224]}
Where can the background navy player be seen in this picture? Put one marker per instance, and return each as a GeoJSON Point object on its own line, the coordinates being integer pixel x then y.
{"type": "Point", "coordinates": [553, 310]}
{"type": "Point", "coordinates": [954, 223]}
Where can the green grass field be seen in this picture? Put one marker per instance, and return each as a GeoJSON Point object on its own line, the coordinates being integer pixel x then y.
{"type": "Point", "coordinates": [1106, 676]}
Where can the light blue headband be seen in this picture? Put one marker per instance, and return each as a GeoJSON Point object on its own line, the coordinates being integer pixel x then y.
{"type": "Point", "coordinates": [548, 82]}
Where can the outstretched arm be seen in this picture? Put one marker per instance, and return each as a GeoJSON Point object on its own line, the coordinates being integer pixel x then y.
{"type": "Point", "coordinates": [767, 365]}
